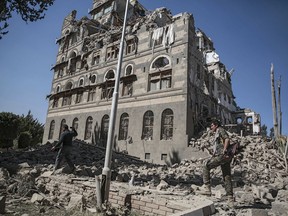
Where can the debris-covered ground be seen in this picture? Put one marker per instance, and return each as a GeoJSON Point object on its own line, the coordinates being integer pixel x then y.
{"type": "Point", "coordinates": [260, 178]}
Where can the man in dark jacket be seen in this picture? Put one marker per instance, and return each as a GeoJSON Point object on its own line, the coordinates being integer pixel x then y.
{"type": "Point", "coordinates": [65, 146]}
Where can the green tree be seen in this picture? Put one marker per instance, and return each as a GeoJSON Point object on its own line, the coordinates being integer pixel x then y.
{"type": "Point", "coordinates": [33, 126]}
{"type": "Point", "coordinates": [29, 10]}
{"type": "Point", "coordinates": [9, 128]}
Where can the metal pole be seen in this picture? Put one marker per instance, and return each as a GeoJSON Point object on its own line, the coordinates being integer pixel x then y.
{"type": "Point", "coordinates": [106, 173]}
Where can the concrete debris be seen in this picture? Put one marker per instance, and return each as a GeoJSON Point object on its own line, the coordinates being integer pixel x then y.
{"type": "Point", "coordinates": [259, 177]}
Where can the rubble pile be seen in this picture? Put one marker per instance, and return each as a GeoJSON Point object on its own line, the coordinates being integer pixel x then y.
{"type": "Point", "coordinates": [260, 178]}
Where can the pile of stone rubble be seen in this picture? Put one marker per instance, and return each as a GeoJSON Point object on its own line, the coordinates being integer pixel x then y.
{"type": "Point", "coordinates": [260, 178]}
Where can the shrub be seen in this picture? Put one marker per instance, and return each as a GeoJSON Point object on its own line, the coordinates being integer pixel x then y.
{"type": "Point", "coordinates": [24, 139]}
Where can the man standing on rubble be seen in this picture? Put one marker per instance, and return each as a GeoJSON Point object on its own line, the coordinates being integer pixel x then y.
{"type": "Point", "coordinates": [219, 158]}
{"type": "Point", "coordinates": [65, 146]}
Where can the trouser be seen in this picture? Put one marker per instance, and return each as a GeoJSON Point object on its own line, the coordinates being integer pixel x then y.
{"type": "Point", "coordinates": [214, 162]}
{"type": "Point", "coordinates": [64, 152]}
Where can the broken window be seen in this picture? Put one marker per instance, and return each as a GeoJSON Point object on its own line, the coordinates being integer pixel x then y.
{"type": "Point", "coordinates": [127, 88]}
{"type": "Point", "coordinates": [160, 62]}
{"type": "Point", "coordinates": [96, 58]}
{"type": "Point", "coordinates": [60, 73]}
{"type": "Point", "coordinates": [79, 97]}
{"type": "Point", "coordinates": [63, 122]}
{"type": "Point", "coordinates": [72, 63]}
{"type": "Point", "coordinates": [67, 100]}
{"type": "Point", "coordinates": [147, 156]}
{"type": "Point", "coordinates": [88, 128]}
{"type": "Point", "coordinates": [55, 103]}
{"type": "Point", "coordinates": [112, 52]}
{"type": "Point", "coordinates": [123, 127]}
{"type": "Point", "coordinates": [104, 128]}
{"type": "Point", "coordinates": [91, 94]}
{"type": "Point", "coordinates": [75, 123]}
{"type": "Point", "coordinates": [148, 121]}
{"type": "Point", "coordinates": [108, 88]}
{"type": "Point", "coordinates": [167, 125]}
{"type": "Point", "coordinates": [130, 46]}
{"type": "Point", "coordinates": [51, 129]}
{"type": "Point", "coordinates": [160, 80]}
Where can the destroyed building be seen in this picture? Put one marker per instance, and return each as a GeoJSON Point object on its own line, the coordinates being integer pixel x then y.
{"type": "Point", "coordinates": [172, 81]}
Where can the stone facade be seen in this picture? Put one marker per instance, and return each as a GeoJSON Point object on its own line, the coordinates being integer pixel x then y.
{"type": "Point", "coordinates": [171, 83]}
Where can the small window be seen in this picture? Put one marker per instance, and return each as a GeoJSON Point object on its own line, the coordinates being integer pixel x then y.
{"type": "Point", "coordinates": [160, 80]}
{"type": "Point", "coordinates": [129, 70]}
{"type": "Point", "coordinates": [147, 156]}
{"type": "Point", "coordinates": [110, 75]}
{"type": "Point", "coordinates": [58, 89]}
{"type": "Point", "coordinates": [164, 157]}
{"type": "Point", "coordinates": [93, 78]}
{"type": "Point", "coordinates": [81, 82]}
{"type": "Point", "coordinates": [79, 97]}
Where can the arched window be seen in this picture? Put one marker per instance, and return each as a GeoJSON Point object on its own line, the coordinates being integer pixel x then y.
{"type": "Point", "coordinates": [167, 125]}
{"type": "Point", "coordinates": [160, 62]}
{"type": "Point", "coordinates": [68, 86]}
{"type": "Point", "coordinates": [108, 88]}
{"type": "Point", "coordinates": [63, 122]}
{"type": "Point", "coordinates": [67, 98]}
{"type": "Point", "coordinates": [58, 89]}
{"type": "Point", "coordinates": [51, 129]}
{"type": "Point", "coordinates": [75, 123]}
{"type": "Point", "coordinates": [81, 82]}
{"type": "Point", "coordinates": [123, 127]}
{"type": "Point", "coordinates": [104, 127]}
{"type": "Point", "coordinates": [88, 128]}
{"type": "Point", "coordinates": [148, 121]}
{"type": "Point", "coordinates": [129, 70]}
{"type": "Point", "coordinates": [160, 78]}
{"type": "Point", "coordinates": [72, 62]}
{"type": "Point", "coordinates": [93, 79]}
{"type": "Point", "coordinates": [110, 75]}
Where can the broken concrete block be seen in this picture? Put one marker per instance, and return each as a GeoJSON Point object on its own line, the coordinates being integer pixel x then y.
{"type": "Point", "coordinates": [37, 198]}
{"type": "Point", "coordinates": [76, 200]}
{"type": "Point", "coordinates": [280, 208]}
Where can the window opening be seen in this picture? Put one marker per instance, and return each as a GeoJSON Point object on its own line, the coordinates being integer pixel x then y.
{"type": "Point", "coordinates": [147, 156]}
{"type": "Point", "coordinates": [51, 129]}
{"type": "Point", "coordinates": [160, 80]}
{"type": "Point", "coordinates": [164, 157]}
{"type": "Point", "coordinates": [148, 121]}
{"type": "Point", "coordinates": [104, 128]}
{"type": "Point", "coordinates": [167, 125]}
{"type": "Point", "coordinates": [63, 122]}
{"type": "Point", "coordinates": [123, 127]}
{"type": "Point", "coordinates": [75, 123]}
{"type": "Point", "coordinates": [160, 62]}
{"type": "Point", "coordinates": [88, 128]}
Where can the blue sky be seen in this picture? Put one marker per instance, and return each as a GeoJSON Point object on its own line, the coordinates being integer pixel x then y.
{"type": "Point", "coordinates": [248, 36]}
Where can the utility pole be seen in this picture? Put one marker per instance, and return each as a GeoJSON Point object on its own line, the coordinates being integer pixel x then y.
{"type": "Point", "coordinates": [275, 121]}
{"type": "Point", "coordinates": [106, 173]}
{"type": "Point", "coordinates": [279, 107]}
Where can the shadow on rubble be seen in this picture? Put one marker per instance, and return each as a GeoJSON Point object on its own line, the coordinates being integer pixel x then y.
{"type": "Point", "coordinates": [83, 155]}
